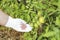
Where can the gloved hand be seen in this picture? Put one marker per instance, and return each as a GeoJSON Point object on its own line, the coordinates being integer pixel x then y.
{"type": "Point", "coordinates": [18, 25]}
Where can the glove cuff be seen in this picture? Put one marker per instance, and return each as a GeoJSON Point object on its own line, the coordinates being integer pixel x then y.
{"type": "Point", "coordinates": [9, 22]}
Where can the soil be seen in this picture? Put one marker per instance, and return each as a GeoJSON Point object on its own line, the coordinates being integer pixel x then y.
{"type": "Point", "coordinates": [11, 34]}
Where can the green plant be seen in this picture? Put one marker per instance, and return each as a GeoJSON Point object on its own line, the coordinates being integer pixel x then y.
{"type": "Point", "coordinates": [40, 14]}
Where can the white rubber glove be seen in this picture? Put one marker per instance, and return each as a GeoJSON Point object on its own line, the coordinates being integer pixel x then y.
{"type": "Point", "coordinates": [17, 24]}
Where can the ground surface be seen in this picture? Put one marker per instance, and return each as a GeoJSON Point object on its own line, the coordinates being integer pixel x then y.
{"type": "Point", "coordinates": [6, 34]}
